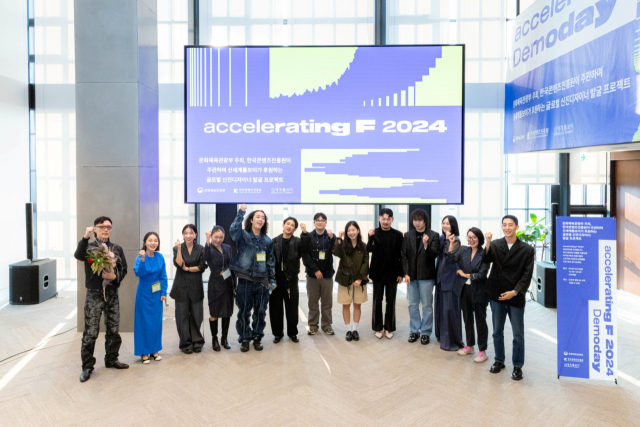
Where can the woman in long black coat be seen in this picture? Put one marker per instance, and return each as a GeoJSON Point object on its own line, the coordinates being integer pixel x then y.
{"type": "Point", "coordinates": [187, 290]}
{"type": "Point", "coordinates": [448, 318]}
{"type": "Point", "coordinates": [221, 285]}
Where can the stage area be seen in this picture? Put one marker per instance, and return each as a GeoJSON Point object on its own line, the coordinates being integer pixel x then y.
{"type": "Point", "coordinates": [322, 381]}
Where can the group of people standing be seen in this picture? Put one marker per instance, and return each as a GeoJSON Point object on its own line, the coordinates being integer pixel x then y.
{"type": "Point", "coordinates": [263, 274]}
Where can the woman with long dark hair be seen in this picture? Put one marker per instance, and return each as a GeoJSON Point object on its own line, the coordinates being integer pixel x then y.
{"type": "Point", "coordinates": [221, 285]}
{"type": "Point", "coordinates": [353, 270]}
{"type": "Point", "coordinates": [473, 273]}
{"type": "Point", "coordinates": [151, 270]}
{"type": "Point", "coordinates": [187, 289]}
{"type": "Point", "coordinates": [448, 288]}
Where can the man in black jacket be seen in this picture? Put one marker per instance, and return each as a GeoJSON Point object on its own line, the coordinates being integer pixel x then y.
{"type": "Point", "coordinates": [508, 282]}
{"type": "Point", "coordinates": [100, 299]}
{"type": "Point", "coordinates": [286, 248]}
{"type": "Point", "coordinates": [317, 256]}
{"type": "Point", "coordinates": [420, 248]}
{"type": "Point", "coordinates": [385, 245]}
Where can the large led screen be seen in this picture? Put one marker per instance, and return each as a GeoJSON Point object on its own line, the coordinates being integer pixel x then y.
{"type": "Point", "coordinates": [324, 124]}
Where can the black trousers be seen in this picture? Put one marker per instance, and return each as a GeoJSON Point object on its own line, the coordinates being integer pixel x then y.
{"type": "Point", "coordinates": [388, 287]}
{"type": "Point", "coordinates": [94, 305]}
{"type": "Point", "coordinates": [289, 299]}
{"type": "Point", "coordinates": [471, 311]}
{"type": "Point", "coordinates": [188, 321]}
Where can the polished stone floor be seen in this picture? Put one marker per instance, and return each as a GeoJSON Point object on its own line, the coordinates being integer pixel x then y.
{"type": "Point", "coordinates": [322, 381]}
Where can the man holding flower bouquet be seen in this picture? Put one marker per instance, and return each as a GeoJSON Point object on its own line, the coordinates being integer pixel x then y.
{"type": "Point", "coordinates": [105, 267]}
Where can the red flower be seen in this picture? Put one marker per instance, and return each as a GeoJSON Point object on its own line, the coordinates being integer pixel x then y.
{"type": "Point", "coordinates": [90, 261]}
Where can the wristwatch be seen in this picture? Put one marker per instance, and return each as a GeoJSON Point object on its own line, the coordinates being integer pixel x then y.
{"type": "Point", "coordinates": [515, 293]}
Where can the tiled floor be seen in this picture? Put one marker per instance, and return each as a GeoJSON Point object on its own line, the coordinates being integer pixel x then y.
{"type": "Point", "coordinates": [323, 380]}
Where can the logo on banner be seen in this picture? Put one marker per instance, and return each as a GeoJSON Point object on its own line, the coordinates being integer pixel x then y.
{"type": "Point", "coordinates": [602, 317]}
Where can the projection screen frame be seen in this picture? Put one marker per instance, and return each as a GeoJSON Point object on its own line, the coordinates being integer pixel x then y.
{"type": "Point", "coordinates": [462, 133]}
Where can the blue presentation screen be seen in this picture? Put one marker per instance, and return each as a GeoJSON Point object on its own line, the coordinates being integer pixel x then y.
{"type": "Point", "coordinates": [324, 124]}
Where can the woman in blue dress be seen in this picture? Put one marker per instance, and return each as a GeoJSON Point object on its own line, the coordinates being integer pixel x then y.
{"type": "Point", "coordinates": [152, 291]}
{"type": "Point", "coordinates": [448, 314]}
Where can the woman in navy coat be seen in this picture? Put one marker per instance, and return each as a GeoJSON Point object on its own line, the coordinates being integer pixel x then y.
{"type": "Point", "coordinates": [448, 316]}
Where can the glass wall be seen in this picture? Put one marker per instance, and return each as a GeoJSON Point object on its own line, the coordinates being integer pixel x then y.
{"type": "Point", "coordinates": [55, 133]}
{"type": "Point", "coordinates": [479, 24]}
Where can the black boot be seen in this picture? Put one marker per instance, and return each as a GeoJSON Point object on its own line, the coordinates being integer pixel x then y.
{"type": "Point", "coordinates": [256, 343]}
{"type": "Point", "coordinates": [213, 324]}
{"type": "Point", "coordinates": [225, 330]}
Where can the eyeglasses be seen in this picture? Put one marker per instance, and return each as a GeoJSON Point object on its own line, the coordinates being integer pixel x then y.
{"type": "Point", "coordinates": [104, 227]}
{"type": "Point", "coordinates": [320, 220]}
{"type": "Point", "coordinates": [471, 239]}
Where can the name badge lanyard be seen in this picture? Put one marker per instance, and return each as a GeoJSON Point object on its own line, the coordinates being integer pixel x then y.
{"type": "Point", "coordinates": [260, 251]}
{"type": "Point", "coordinates": [318, 241]}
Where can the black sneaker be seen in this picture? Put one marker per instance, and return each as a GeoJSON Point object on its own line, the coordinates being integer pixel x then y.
{"type": "Point", "coordinates": [413, 337]}
{"type": "Point", "coordinates": [349, 336]}
{"type": "Point", "coordinates": [328, 330]}
{"type": "Point", "coordinates": [312, 330]}
{"type": "Point", "coordinates": [496, 367]}
{"type": "Point", "coordinates": [424, 340]}
{"type": "Point", "coordinates": [244, 347]}
{"type": "Point", "coordinates": [295, 339]}
{"type": "Point", "coordinates": [276, 340]}
{"type": "Point", "coordinates": [355, 335]}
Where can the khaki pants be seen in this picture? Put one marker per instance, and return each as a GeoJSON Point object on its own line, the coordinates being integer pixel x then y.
{"type": "Point", "coordinates": [320, 291]}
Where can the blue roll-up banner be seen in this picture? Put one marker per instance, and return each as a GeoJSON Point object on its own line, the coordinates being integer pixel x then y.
{"type": "Point", "coordinates": [586, 287]}
{"type": "Point", "coordinates": [572, 78]}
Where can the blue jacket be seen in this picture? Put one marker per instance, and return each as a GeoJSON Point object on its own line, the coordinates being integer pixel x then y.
{"type": "Point", "coordinates": [247, 247]}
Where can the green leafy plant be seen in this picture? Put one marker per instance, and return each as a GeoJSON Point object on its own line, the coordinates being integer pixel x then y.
{"type": "Point", "coordinates": [534, 232]}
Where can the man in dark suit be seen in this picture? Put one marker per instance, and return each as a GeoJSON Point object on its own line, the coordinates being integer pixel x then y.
{"type": "Point", "coordinates": [385, 245]}
{"type": "Point", "coordinates": [420, 248]}
{"type": "Point", "coordinates": [508, 282]}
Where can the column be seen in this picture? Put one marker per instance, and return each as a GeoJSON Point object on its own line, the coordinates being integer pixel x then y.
{"type": "Point", "coordinates": [116, 50]}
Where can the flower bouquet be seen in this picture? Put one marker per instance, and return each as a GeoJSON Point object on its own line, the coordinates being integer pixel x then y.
{"type": "Point", "coordinates": [101, 259]}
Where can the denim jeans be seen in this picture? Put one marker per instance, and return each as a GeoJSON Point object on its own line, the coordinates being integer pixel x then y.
{"type": "Point", "coordinates": [499, 312]}
{"type": "Point", "coordinates": [251, 296]}
{"type": "Point", "coordinates": [420, 291]}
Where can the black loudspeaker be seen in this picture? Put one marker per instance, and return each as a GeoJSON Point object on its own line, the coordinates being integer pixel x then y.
{"type": "Point", "coordinates": [544, 276]}
{"type": "Point", "coordinates": [32, 282]}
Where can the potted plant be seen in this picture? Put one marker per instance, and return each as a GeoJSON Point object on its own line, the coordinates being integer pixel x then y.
{"type": "Point", "coordinates": [534, 232]}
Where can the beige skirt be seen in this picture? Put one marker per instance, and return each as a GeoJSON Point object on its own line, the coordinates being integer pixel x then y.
{"type": "Point", "coordinates": [352, 294]}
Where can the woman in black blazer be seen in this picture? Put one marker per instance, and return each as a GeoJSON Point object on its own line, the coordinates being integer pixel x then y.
{"type": "Point", "coordinates": [473, 273]}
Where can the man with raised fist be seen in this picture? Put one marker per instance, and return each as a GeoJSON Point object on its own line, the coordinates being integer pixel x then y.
{"type": "Point", "coordinates": [508, 282]}
{"type": "Point", "coordinates": [102, 295]}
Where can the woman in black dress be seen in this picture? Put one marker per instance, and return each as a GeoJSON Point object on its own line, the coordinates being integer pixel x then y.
{"type": "Point", "coordinates": [187, 290]}
{"type": "Point", "coordinates": [221, 285]}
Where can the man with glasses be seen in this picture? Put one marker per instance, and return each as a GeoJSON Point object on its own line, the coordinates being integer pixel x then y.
{"type": "Point", "coordinates": [318, 261]}
{"type": "Point", "coordinates": [102, 295]}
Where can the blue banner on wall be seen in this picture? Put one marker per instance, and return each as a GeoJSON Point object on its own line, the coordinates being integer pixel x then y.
{"type": "Point", "coordinates": [586, 288]}
{"type": "Point", "coordinates": [572, 78]}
